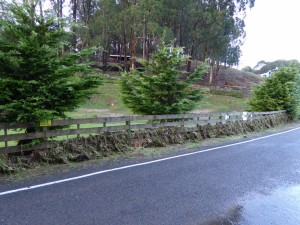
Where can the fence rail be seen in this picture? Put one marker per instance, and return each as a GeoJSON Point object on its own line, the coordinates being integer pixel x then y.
{"type": "Point", "coordinates": [11, 133]}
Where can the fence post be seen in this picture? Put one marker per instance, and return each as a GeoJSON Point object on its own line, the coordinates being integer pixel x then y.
{"type": "Point", "coordinates": [128, 123]}
{"type": "Point", "coordinates": [249, 117]}
{"type": "Point", "coordinates": [6, 142]}
{"type": "Point", "coordinates": [45, 132]}
{"type": "Point", "coordinates": [244, 116]}
{"type": "Point", "coordinates": [183, 121]}
{"type": "Point", "coordinates": [78, 127]}
{"type": "Point", "coordinates": [221, 118]}
{"type": "Point", "coordinates": [226, 117]}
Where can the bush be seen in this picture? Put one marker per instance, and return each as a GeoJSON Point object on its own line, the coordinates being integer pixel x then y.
{"type": "Point", "coordinates": [278, 92]}
{"type": "Point", "coordinates": [38, 80]}
{"type": "Point", "coordinates": [162, 88]}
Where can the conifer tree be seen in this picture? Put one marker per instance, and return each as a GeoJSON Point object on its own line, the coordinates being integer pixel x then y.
{"type": "Point", "coordinates": [279, 92]}
{"type": "Point", "coordinates": [162, 88]}
{"type": "Point", "coordinates": [39, 80]}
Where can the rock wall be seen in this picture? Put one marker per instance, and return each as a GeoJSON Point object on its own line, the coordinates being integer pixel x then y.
{"type": "Point", "coordinates": [105, 144]}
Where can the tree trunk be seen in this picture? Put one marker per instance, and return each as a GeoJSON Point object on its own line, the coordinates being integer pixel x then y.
{"type": "Point", "coordinates": [188, 65]}
{"type": "Point", "coordinates": [133, 43]}
{"type": "Point", "coordinates": [144, 39]}
{"type": "Point", "coordinates": [41, 9]}
{"type": "Point", "coordinates": [205, 53]}
{"type": "Point", "coordinates": [74, 11]}
{"type": "Point", "coordinates": [124, 50]}
{"type": "Point", "coordinates": [211, 74]}
{"type": "Point", "coordinates": [148, 47]}
{"type": "Point", "coordinates": [217, 71]}
{"type": "Point", "coordinates": [59, 8]}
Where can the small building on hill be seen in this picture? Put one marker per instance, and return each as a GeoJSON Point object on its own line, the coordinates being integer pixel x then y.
{"type": "Point", "coordinates": [267, 74]}
{"type": "Point", "coordinates": [120, 57]}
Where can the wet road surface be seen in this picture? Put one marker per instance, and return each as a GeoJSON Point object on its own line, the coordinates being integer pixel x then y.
{"type": "Point", "coordinates": [281, 206]}
{"type": "Point", "coordinates": [255, 182]}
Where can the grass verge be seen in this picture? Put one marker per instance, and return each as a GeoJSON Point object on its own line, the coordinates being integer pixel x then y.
{"type": "Point", "coordinates": [134, 156]}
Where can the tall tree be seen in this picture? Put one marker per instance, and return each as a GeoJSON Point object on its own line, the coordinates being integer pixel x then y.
{"type": "Point", "coordinates": [58, 7]}
{"type": "Point", "coordinates": [209, 30]}
{"type": "Point", "coordinates": [161, 89]}
{"type": "Point", "coordinates": [37, 81]}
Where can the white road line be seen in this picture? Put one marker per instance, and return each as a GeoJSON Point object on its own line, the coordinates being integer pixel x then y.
{"type": "Point", "coordinates": [140, 164]}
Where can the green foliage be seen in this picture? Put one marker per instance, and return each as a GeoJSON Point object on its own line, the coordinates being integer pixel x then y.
{"type": "Point", "coordinates": [38, 79]}
{"type": "Point", "coordinates": [207, 29]}
{"type": "Point", "coordinates": [162, 88]}
{"type": "Point", "coordinates": [264, 66]}
{"type": "Point", "coordinates": [279, 92]}
{"type": "Point", "coordinates": [247, 69]}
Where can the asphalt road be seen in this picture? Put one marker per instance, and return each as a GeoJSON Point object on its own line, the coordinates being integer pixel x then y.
{"type": "Point", "coordinates": [200, 188]}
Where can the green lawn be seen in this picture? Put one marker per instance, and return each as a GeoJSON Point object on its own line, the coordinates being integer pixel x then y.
{"type": "Point", "coordinates": [106, 103]}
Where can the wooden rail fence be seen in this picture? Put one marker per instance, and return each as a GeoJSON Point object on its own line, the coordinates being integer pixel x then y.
{"type": "Point", "coordinates": [11, 133]}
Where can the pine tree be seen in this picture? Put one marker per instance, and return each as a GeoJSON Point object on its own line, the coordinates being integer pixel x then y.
{"type": "Point", "coordinates": [162, 88]}
{"type": "Point", "coordinates": [279, 92]}
{"type": "Point", "coordinates": [38, 80]}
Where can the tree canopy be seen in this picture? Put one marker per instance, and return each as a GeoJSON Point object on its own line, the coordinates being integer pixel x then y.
{"type": "Point", "coordinates": [208, 30]}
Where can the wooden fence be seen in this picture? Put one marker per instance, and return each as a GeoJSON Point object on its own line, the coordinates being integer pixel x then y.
{"type": "Point", "coordinates": [11, 133]}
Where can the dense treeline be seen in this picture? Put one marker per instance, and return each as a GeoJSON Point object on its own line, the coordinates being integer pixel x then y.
{"type": "Point", "coordinates": [209, 30]}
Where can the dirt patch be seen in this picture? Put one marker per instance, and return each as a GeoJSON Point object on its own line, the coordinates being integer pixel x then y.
{"type": "Point", "coordinates": [101, 112]}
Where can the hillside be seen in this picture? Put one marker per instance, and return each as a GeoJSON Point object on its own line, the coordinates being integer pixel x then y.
{"type": "Point", "coordinates": [107, 102]}
{"type": "Point", "coordinates": [233, 78]}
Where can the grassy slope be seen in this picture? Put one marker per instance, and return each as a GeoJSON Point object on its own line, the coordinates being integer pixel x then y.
{"type": "Point", "coordinates": [108, 103]}
{"type": "Point", "coordinates": [230, 77]}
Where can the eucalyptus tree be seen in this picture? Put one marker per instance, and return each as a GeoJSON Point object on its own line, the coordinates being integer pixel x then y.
{"type": "Point", "coordinates": [210, 30]}
{"type": "Point", "coordinates": [105, 29]}
{"type": "Point", "coordinates": [58, 7]}
{"type": "Point", "coordinates": [225, 31]}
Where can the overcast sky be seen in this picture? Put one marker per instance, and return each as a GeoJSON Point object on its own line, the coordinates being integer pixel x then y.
{"type": "Point", "coordinates": [273, 32]}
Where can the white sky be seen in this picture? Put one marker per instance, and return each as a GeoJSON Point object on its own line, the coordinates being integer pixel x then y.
{"type": "Point", "coordinates": [273, 32]}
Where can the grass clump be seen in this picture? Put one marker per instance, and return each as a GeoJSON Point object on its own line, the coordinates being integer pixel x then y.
{"type": "Point", "coordinates": [232, 93]}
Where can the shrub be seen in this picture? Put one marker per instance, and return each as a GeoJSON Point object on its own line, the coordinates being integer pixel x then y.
{"type": "Point", "coordinates": [162, 88]}
{"type": "Point", "coordinates": [279, 92]}
{"type": "Point", "coordinates": [39, 81]}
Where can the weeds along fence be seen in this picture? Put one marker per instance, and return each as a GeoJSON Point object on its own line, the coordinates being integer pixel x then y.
{"type": "Point", "coordinates": [55, 130]}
